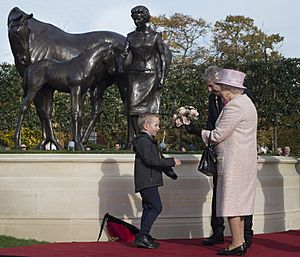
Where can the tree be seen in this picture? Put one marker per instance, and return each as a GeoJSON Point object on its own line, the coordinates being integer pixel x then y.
{"type": "Point", "coordinates": [182, 34]}
{"type": "Point", "coordinates": [11, 93]}
{"type": "Point", "coordinates": [238, 40]}
{"type": "Point", "coordinates": [237, 43]}
{"type": "Point", "coordinates": [113, 122]}
{"type": "Point", "coordinates": [185, 36]}
{"type": "Point", "coordinates": [275, 88]}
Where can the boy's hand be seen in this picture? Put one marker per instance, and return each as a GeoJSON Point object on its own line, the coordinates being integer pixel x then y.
{"type": "Point", "coordinates": [177, 162]}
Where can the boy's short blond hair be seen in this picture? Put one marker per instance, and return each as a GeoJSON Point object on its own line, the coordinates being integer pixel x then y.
{"type": "Point", "coordinates": [145, 118]}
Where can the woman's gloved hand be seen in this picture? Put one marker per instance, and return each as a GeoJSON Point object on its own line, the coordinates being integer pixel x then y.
{"type": "Point", "coordinates": [192, 129]}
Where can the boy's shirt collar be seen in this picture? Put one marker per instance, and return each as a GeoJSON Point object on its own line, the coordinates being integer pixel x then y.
{"type": "Point", "coordinates": [145, 131]}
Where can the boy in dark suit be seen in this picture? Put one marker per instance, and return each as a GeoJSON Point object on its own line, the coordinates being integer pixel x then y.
{"type": "Point", "coordinates": [148, 167]}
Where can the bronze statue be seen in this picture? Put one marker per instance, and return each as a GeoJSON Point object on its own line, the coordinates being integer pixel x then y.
{"type": "Point", "coordinates": [32, 40]}
{"type": "Point", "coordinates": [148, 57]}
{"type": "Point", "coordinates": [149, 62]}
{"type": "Point", "coordinates": [75, 77]}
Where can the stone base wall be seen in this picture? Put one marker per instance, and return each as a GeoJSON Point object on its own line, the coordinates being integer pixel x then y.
{"type": "Point", "coordinates": [63, 197]}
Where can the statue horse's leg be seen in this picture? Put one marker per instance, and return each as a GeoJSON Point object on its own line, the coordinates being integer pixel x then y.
{"type": "Point", "coordinates": [31, 94]}
{"type": "Point", "coordinates": [123, 83]}
{"type": "Point", "coordinates": [17, 135]}
{"type": "Point", "coordinates": [43, 104]}
{"type": "Point", "coordinates": [96, 97]}
{"type": "Point", "coordinates": [76, 96]}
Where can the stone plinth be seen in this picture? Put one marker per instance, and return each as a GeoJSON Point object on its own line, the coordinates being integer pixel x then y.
{"type": "Point", "coordinates": [63, 197]}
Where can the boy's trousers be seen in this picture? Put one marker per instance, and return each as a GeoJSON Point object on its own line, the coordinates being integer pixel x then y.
{"type": "Point", "coordinates": [152, 207]}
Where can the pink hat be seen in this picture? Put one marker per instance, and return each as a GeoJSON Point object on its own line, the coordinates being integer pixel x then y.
{"type": "Point", "coordinates": [231, 78]}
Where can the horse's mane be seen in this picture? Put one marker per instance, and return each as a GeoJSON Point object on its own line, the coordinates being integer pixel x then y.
{"type": "Point", "coordinates": [40, 27]}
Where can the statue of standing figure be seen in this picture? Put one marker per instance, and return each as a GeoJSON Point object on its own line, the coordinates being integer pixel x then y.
{"type": "Point", "coordinates": [148, 61]}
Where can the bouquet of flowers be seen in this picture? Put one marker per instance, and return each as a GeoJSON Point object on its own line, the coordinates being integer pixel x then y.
{"type": "Point", "coordinates": [185, 115]}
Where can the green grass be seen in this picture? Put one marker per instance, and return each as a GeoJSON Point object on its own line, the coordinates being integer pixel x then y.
{"type": "Point", "coordinates": [10, 242]}
{"type": "Point", "coordinates": [65, 152]}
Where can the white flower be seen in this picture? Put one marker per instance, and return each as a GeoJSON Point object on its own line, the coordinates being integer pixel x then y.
{"type": "Point", "coordinates": [194, 113]}
{"type": "Point", "coordinates": [186, 120]}
{"type": "Point", "coordinates": [185, 115]}
{"type": "Point", "coordinates": [182, 111]}
{"type": "Point", "coordinates": [178, 122]}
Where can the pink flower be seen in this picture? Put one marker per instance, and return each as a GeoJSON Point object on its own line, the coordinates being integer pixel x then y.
{"type": "Point", "coordinates": [186, 120]}
{"type": "Point", "coordinates": [184, 116]}
{"type": "Point", "coordinates": [194, 113]}
{"type": "Point", "coordinates": [178, 122]}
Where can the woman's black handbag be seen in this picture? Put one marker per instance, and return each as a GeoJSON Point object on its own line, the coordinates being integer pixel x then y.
{"type": "Point", "coordinates": [208, 161]}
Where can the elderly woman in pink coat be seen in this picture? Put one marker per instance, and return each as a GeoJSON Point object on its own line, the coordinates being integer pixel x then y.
{"type": "Point", "coordinates": [235, 139]}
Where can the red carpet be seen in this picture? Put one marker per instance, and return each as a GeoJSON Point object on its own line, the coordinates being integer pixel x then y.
{"type": "Point", "coordinates": [283, 244]}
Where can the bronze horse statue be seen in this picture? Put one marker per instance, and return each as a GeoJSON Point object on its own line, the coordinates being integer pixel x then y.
{"type": "Point", "coordinates": [75, 77]}
{"type": "Point", "coordinates": [32, 40]}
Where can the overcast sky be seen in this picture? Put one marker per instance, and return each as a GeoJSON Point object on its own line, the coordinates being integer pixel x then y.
{"type": "Point", "coordinates": [76, 16]}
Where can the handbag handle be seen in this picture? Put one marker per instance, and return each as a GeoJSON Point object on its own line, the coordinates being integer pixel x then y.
{"type": "Point", "coordinates": [209, 140]}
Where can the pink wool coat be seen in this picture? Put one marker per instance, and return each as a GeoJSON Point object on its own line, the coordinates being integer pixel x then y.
{"type": "Point", "coordinates": [235, 136]}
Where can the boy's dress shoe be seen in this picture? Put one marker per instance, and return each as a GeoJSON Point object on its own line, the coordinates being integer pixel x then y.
{"type": "Point", "coordinates": [145, 241]}
{"type": "Point", "coordinates": [238, 251]}
{"type": "Point", "coordinates": [213, 239]}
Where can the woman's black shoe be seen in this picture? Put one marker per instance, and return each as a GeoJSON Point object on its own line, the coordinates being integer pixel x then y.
{"type": "Point", "coordinates": [239, 251]}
